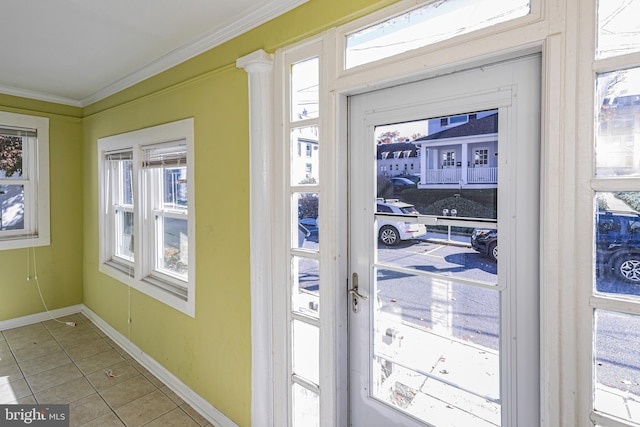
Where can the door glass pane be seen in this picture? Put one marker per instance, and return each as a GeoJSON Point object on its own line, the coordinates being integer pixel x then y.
{"type": "Point", "coordinates": [304, 231]}
{"type": "Point", "coordinates": [174, 246]}
{"type": "Point", "coordinates": [436, 320]}
{"type": "Point", "coordinates": [618, 124]}
{"type": "Point", "coordinates": [428, 24]}
{"type": "Point", "coordinates": [305, 79]}
{"type": "Point", "coordinates": [306, 407]}
{"type": "Point", "coordinates": [305, 156]}
{"type": "Point", "coordinates": [305, 295]}
{"type": "Point", "coordinates": [436, 349]}
{"type": "Point", "coordinates": [11, 160]}
{"type": "Point", "coordinates": [11, 207]}
{"type": "Point", "coordinates": [306, 351]}
{"type": "Point", "coordinates": [617, 243]}
{"type": "Point", "coordinates": [617, 364]}
{"type": "Point", "coordinates": [618, 27]}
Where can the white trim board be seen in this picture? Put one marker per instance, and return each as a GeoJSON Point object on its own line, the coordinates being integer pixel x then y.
{"type": "Point", "coordinates": [40, 317]}
{"type": "Point", "coordinates": [197, 402]}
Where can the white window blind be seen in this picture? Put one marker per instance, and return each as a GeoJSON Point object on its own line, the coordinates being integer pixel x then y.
{"type": "Point", "coordinates": [173, 154]}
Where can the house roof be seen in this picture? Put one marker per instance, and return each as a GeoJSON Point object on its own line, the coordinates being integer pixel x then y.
{"type": "Point", "coordinates": [397, 147]}
{"type": "Point", "coordinates": [483, 126]}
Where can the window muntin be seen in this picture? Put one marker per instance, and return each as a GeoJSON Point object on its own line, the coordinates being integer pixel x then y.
{"type": "Point", "coordinates": [24, 181]}
{"type": "Point", "coordinates": [147, 229]}
{"type": "Point", "coordinates": [428, 24]}
{"type": "Point", "coordinates": [618, 27]}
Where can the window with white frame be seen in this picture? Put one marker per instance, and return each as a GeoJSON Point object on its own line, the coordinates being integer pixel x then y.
{"type": "Point", "coordinates": [615, 295]}
{"type": "Point", "coordinates": [147, 218]}
{"type": "Point", "coordinates": [24, 181]}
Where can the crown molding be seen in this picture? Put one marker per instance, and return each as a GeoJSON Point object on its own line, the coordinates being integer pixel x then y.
{"type": "Point", "coordinates": [39, 96]}
{"type": "Point", "coordinates": [189, 50]}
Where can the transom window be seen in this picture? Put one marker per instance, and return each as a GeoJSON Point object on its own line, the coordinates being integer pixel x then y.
{"type": "Point", "coordinates": [427, 24]}
{"type": "Point", "coordinates": [147, 221]}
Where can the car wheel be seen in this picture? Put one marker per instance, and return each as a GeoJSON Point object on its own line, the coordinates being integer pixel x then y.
{"type": "Point", "coordinates": [628, 268]}
{"type": "Point", "coordinates": [493, 251]}
{"type": "Point", "coordinates": [389, 235]}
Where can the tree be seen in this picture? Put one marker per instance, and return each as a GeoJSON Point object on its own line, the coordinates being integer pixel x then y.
{"type": "Point", "coordinates": [10, 155]}
{"type": "Point", "coordinates": [389, 137]}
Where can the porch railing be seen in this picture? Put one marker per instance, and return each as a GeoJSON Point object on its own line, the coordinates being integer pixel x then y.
{"type": "Point", "coordinates": [453, 176]}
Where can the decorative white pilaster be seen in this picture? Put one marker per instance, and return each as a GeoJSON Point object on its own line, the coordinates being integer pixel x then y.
{"type": "Point", "coordinates": [258, 66]}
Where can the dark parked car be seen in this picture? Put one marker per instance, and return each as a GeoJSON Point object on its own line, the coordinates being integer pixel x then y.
{"type": "Point", "coordinates": [618, 245]}
{"type": "Point", "coordinates": [400, 184]}
{"type": "Point", "coordinates": [485, 241]}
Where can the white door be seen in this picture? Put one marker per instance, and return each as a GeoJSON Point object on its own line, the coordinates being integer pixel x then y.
{"type": "Point", "coordinates": [439, 332]}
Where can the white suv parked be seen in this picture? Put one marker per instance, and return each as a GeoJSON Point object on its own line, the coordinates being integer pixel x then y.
{"type": "Point", "coordinates": [392, 232]}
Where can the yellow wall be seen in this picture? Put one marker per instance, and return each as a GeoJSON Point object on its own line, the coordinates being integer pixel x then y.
{"type": "Point", "coordinates": [210, 353]}
{"type": "Point", "coordinates": [59, 265]}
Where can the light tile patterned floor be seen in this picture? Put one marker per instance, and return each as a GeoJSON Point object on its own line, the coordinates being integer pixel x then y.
{"type": "Point", "coordinates": [51, 362]}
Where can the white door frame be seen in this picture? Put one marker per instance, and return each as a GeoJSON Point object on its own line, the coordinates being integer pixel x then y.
{"type": "Point", "coordinates": [535, 33]}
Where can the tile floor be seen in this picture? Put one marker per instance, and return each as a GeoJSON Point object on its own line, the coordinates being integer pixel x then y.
{"type": "Point", "coordinates": [50, 362]}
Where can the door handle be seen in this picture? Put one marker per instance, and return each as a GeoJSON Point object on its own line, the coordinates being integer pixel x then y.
{"type": "Point", "coordinates": [355, 295]}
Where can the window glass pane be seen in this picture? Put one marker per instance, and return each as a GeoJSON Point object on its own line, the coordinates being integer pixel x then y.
{"type": "Point", "coordinates": [617, 243]}
{"type": "Point", "coordinates": [306, 351]}
{"type": "Point", "coordinates": [305, 293]}
{"type": "Point", "coordinates": [304, 89]}
{"type": "Point", "coordinates": [304, 229]}
{"type": "Point", "coordinates": [174, 246]}
{"type": "Point", "coordinates": [174, 195]}
{"type": "Point", "coordinates": [124, 234]}
{"type": "Point", "coordinates": [618, 27]}
{"type": "Point", "coordinates": [618, 124]}
{"type": "Point", "coordinates": [306, 407]}
{"type": "Point", "coordinates": [617, 364]}
{"type": "Point", "coordinates": [305, 156]}
{"type": "Point", "coordinates": [10, 157]}
{"type": "Point", "coordinates": [428, 24]}
{"type": "Point", "coordinates": [126, 178]}
{"type": "Point", "coordinates": [11, 207]}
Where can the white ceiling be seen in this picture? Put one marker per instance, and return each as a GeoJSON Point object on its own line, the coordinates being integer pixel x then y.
{"type": "Point", "coordinates": [77, 52]}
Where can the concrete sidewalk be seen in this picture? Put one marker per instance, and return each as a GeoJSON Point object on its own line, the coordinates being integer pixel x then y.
{"type": "Point", "coordinates": [451, 383]}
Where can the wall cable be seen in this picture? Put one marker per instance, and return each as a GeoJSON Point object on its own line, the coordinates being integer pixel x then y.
{"type": "Point", "coordinates": [35, 276]}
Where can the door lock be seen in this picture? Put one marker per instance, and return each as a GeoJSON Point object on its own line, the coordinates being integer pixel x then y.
{"type": "Point", "coordinates": [355, 295]}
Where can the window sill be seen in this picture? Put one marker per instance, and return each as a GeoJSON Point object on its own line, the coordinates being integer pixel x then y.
{"type": "Point", "coordinates": [19, 242]}
{"type": "Point", "coordinates": [177, 297]}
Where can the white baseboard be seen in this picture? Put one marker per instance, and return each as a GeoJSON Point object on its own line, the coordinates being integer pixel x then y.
{"type": "Point", "coordinates": [40, 317]}
{"type": "Point", "coordinates": [197, 402]}
{"type": "Point", "coordinates": [207, 410]}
